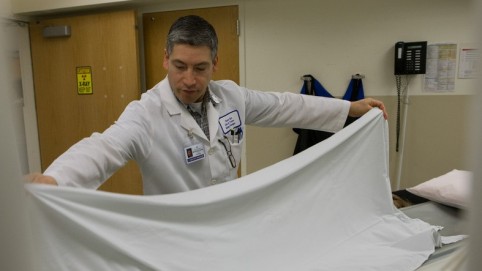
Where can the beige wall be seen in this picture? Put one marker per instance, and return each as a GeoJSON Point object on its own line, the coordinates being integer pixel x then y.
{"type": "Point", "coordinates": [15, 234]}
{"type": "Point", "coordinates": [436, 137]}
{"type": "Point", "coordinates": [333, 39]}
{"type": "Point", "coordinates": [47, 6]}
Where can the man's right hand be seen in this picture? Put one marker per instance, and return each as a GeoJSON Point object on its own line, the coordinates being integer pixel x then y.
{"type": "Point", "coordinates": [40, 178]}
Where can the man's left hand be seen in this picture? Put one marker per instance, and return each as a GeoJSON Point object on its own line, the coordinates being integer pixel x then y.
{"type": "Point", "coordinates": [359, 108]}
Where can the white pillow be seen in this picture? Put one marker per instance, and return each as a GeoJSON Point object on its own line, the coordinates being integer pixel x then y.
{"type": "Point", "coordinates": [451, 189]}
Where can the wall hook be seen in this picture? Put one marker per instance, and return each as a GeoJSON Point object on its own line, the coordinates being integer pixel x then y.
{"type": "Point", "coordinates": [357, 76]}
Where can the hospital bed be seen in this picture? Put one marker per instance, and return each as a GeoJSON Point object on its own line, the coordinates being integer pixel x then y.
{"type": "Point", "coordinates": [453, 221]}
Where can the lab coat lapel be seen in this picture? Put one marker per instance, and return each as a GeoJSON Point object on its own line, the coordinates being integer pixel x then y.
{"type": "Point", "coordinates": [188, 123]}
{"type": "Point", "coordinates": [191, 126]}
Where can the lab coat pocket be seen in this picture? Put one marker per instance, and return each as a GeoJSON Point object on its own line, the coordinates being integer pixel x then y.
{"type": "Point", "coordinates": [232, 150]}
{"type": "Point", "coordinates": [236, 149]}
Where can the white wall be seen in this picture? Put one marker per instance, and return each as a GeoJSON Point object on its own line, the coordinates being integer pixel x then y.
{"type": "Point", "coordinates": [333, 39]}
{"type": "Point", "coordinates": [14, 230]}
{"type": "Point", "coordinates": [475, 213]}
{"type": "Point", "coordinates": [40, 6]}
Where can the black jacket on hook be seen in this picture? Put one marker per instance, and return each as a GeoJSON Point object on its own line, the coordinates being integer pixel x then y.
{"type": "Point", "coordinates": [311, 86]}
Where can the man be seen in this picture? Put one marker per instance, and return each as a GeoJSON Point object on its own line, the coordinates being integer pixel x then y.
{"type": "Point", "coordinates": [188, 111]}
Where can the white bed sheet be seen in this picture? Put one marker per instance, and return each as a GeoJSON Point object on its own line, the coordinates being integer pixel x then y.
{"type": "Point", "coordinates": [327, 208]}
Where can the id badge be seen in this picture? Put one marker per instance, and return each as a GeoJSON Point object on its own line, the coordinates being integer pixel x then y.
{"type": "Point", "coordinates": [194, 153]}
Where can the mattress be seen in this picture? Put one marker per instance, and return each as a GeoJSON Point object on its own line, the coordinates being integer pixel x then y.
{"type": "Point", "coordinates": [453, 221]}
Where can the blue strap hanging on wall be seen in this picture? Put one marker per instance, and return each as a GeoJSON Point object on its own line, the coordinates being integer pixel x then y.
{"type": "Point", "coordinates": [311, 86]}
{"type": "Point", "coordinates": [354, 92]}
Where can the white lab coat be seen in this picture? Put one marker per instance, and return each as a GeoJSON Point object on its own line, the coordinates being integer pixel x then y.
{"type": "Point", "coordinates": [155, 131]}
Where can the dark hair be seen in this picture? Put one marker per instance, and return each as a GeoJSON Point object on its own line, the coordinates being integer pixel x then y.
{"type": "Point", "coordinates": [192, 30]}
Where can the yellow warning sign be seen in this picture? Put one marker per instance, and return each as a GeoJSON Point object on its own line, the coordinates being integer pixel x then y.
{"type": "Point", "coordinates": [84, 80]}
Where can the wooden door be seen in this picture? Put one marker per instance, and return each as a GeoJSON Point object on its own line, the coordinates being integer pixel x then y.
{"type": "Point", "coordinates": [105, 43]}
{"type": "Point", "coordinates": [225, 22]}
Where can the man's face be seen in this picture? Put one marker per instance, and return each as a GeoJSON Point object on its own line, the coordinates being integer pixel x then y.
{"type": "Point", "coordinates": [189, 69]}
